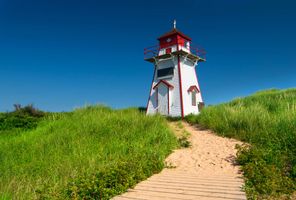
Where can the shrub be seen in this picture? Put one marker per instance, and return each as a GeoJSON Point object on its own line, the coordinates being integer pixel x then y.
{"type": "Point", "coordinates": [108, 183]}
{"type": "Point", "coordinates": [21, 118]}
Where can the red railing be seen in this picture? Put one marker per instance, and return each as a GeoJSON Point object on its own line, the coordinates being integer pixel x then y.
{"type": "Point", "coordinates": [153, 51]}
{"type": "Point", "coordinates": [199, 51]}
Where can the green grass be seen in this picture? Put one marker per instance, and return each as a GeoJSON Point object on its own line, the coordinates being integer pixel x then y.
{"type": "Point", "coordinates": [91, 153]}
{"type": "Point", "coordinates": [267, 121]}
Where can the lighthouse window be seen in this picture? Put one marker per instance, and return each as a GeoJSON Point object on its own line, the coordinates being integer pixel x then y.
{"type": "Point", "coordinates": [166, 72]}
{"type": "Point", "coordinates": [193, 96]}
{"type": "Point", "coordinates": [187, 44]}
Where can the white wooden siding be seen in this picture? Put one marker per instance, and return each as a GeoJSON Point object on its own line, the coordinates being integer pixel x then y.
{"type": "Point", "coordinates": [174, 94]}
{"type": "Point", "coordinates": [188, 77]}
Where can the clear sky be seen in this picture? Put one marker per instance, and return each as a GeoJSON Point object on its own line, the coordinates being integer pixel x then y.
{"type": "Point", "coordinates": [62, 54]}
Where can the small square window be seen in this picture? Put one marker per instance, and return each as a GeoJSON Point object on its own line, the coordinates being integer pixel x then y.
{"type": "Point", "coordinates": [168, 50]}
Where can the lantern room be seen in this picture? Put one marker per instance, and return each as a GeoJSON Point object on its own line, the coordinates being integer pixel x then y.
{"type": "Point", "coordinates": [173, 41]}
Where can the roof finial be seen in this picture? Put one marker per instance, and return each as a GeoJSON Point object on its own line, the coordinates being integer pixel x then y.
{"type": "Point", "coordinates": [175, 23]}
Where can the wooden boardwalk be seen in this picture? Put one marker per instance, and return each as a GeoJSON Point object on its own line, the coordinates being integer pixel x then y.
{"type": "Point", "coordinates": [186, 186]}
{"type": "Point", "coordinates": [206, 171]}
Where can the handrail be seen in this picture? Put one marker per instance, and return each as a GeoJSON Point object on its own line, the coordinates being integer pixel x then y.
{"type": "Point", "coordinates": [153, 51]}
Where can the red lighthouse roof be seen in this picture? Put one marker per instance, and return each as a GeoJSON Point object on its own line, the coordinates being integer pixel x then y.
{"type": "Point", "coordinates": [174, 31]}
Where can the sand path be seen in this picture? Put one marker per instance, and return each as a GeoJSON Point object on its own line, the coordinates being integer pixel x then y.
{"type": "Point", "coordinates": [206, 170]}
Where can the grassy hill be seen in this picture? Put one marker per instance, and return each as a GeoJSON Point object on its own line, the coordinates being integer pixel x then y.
{"type": "Point", "coordinates": [267, 121]}
{"type": "Point", "coordinates": [94, 152]}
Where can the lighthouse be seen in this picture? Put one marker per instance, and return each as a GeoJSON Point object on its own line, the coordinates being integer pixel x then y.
{"type": "Point", "coordinates": [174, 90]}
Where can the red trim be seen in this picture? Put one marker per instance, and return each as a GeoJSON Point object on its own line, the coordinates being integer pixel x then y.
{"type": "Point", "coordinates": [180, 89]}
{"type": "Point", "coordinates": [168, 101]}
{"type": "Point", "coordinates": [151, 89]}
{"type": "Point", "coordinates": [164, 82]}
{"type": "Point", "coordinates": [193, 87]}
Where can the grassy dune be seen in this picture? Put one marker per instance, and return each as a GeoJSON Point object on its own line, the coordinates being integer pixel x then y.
{"type": "Point", "coordinates": [93, 152]}
{"type": "Point", "coordinates": [267, 121]}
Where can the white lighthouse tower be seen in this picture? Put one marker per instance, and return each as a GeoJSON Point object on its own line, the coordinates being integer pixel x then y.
{"type": "Point", "coordinates": [174, 90]}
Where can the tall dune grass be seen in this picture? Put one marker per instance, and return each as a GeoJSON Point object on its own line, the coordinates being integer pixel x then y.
{"type": "Point", "coordinates": [267, 121]}
{"type": "Point", "coordinates": [90, 153]}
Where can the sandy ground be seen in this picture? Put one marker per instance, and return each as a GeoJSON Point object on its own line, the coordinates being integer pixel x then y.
{"type": "Point", "coordinates": [208, 155]}
{"type": "Point", "coordinates": [206, 170]}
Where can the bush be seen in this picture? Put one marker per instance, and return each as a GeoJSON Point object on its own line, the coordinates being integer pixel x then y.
{"type": "Point", "coordinates": [21, 118]}
{"type": "Point", "coordinates": [108, 183]}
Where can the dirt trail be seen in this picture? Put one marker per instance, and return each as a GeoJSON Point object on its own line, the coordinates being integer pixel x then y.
{"type": "Point", "coordinates": [206, 170]}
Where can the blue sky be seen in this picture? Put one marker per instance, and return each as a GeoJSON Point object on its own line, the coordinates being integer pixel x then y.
{"type": "Point", "coordinates": [62, 54]}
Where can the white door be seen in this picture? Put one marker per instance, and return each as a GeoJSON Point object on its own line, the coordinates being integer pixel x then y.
{"type": "Point", "coordinates": [163, 99]}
